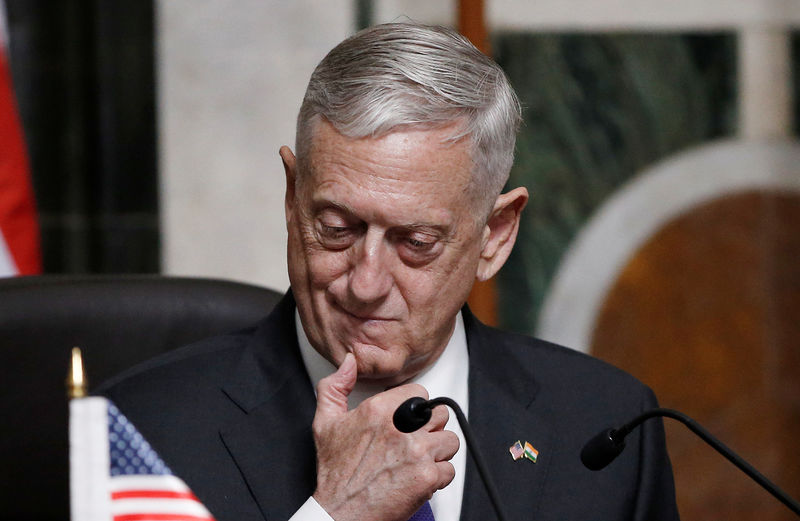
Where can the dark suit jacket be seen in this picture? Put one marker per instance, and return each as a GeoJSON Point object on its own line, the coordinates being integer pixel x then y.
{"type": "Point", "coordinates": [232, 416]}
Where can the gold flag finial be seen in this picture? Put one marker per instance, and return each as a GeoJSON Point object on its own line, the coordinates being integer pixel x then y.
{"type": "Point", "coordinates": [76, 380]}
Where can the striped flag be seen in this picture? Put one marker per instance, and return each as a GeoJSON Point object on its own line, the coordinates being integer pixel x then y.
{"type": "Point", "coordinates": [531, 453]}
{"type": "Point", "coordinates": [115, 475]}
{"type": "Point", "coordinates": [19, 232]}
{"type": "Point", "coordinates": [516, 450]}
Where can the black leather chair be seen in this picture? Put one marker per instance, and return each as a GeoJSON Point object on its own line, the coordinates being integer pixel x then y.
{"type": "Point", "coordinates": [118, 321]}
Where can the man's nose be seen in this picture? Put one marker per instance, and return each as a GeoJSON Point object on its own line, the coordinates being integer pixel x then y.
{"type": "Point", "coordinates": [370, 278]}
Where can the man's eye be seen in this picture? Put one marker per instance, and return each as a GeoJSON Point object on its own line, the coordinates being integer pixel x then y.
{"type": "Point", "coordinates": [419, 250]}
{"type": "Point", "coordinates": [334, 231]}
{"type": "Point", "coordinates": [419, 244]}
{"type": "Point", "coordinates": [336, 237]}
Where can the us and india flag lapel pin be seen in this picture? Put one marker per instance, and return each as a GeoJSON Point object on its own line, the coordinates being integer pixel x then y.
{"type": "Point", "coordinates": [518, 451]}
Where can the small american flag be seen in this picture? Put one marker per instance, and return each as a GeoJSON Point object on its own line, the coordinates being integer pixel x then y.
{"type": "Point", "coordinates": [516, 450]}
{"type": "Point", "coordinates": [116, 475]}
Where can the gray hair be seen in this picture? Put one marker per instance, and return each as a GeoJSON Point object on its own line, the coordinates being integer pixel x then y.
{"type": "Point", "coordinates": [398, 75]}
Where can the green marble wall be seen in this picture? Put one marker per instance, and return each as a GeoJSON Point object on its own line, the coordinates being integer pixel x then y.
{"type": "Point", "coordinates": [597, 110]}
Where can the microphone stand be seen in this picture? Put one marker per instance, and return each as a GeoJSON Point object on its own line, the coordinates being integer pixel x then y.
{"type": "Point", "coordinates": [618, 436]}
{"type": "Point", "coordinates": [421, 408]}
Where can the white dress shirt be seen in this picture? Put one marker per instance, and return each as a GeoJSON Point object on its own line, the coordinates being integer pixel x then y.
{"type": "Point", "coordinates": [448, 376]}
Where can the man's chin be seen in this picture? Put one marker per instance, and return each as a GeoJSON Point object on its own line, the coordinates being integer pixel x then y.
{"type": "Point", "coordinates": [377, 365]}
{"type": "Point", "coordinates": [384, 382]}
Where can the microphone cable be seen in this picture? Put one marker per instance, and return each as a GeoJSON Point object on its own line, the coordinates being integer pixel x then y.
{"type": "Point", "coordinates": [415, 412]}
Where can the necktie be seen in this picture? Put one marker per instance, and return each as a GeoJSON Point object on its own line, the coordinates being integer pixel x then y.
{"type": "Point", "coordinates": [423, 514]}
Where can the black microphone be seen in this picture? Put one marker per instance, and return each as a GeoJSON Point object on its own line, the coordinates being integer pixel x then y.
{"type": "Point", "coordinates": [412, 414]}
{"type": "Point", "coordinates": [416, 412]}
{"type": "Point", "coordinates": [603, 448]}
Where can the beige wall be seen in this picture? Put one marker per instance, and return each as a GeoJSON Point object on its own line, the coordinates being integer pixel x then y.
{"type": "Point", "coordinates": [231, 78]}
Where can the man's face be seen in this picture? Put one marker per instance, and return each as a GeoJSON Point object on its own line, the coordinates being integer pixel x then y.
{"type": "Point", "coordinates": [383, 246]}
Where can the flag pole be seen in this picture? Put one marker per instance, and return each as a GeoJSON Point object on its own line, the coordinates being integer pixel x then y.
{"type": "Point", "coordinates": [88, 447]}
{"type": "Point", "coordinates": [77, 384]}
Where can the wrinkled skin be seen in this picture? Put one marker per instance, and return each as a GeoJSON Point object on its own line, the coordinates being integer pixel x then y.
{"type": "Point", "coordinates": [384, 246]}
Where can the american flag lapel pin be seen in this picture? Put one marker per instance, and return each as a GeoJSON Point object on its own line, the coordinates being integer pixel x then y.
{"type": "Point", "coordinates": [516, 450]}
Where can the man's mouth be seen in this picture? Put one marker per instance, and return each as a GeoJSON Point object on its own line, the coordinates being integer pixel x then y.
{"type": "Point", "coordinates": [363, 316]}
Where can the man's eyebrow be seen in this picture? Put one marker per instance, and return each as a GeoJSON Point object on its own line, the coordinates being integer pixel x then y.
{"type": "Point", "coordinates": [442, 230]}
{"type": "Point", "coordinates": [319, 205]}
{"type": "Point", "coordinates": [425, 227]}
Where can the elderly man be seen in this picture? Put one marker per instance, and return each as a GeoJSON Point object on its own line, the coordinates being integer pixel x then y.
{"type": "Point", "coordinates": [393, 208]}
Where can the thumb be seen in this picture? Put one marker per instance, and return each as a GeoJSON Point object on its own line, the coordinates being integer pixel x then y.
{"type": "Point", "coordinates": [332, 391]}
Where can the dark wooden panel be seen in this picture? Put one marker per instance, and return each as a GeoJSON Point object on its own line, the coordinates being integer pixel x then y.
{"type": "Point", "coordinates": [708, 314]}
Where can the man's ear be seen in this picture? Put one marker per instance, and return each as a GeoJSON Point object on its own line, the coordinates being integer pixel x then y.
{"type": "Point", "coordinates": [290, 169]}
{"type": "Point", "coordinates": [500, 232]}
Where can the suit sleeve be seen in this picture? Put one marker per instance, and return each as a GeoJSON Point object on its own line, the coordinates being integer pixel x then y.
{"type": "Point", "coordinates": [655, 500]}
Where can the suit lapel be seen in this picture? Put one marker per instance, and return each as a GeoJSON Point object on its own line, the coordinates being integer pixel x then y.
{"type": "Point", "coordinates": [273, 445]}
{"type": "Point", "coordinates": [502, 410]}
